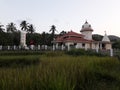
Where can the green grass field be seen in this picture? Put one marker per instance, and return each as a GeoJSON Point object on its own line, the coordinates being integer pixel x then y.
{"type": "Point", "coordinates": [58, 71]}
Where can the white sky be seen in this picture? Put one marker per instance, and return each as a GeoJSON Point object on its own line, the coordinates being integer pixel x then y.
{"type": "Point", "coordinates": [103, 15]}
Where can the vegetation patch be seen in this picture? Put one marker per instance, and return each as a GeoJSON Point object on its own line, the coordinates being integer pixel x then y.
{"type": "Point", "coordinates": [58, 71]}
{"type": "Point", "coordinates": [79, 52]}
{"type": "Point", "coordinates": [18, 61]}
{"type": "Point", "coordinates": [20, 52]}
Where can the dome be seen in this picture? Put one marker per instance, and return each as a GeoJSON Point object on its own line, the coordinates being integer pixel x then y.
{"type": "Point", "coordinates": [86, 27]}
{"type": "Point", "coordinates": [105, 38]}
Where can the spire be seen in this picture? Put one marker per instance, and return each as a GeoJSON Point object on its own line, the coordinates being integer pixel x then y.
{"type": "Point", "coordinates": [105, 38]}
{"type": "Point", "coordinates": [86, 22]}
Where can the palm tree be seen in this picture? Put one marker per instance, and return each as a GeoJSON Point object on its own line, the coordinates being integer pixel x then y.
{"type": "Point", "coordinates": [11, 27]}
{"type": "Point", "coordinates": [1, 28]}
{"type": "Point", "coordinates": [24, 25]}
{"type": "Point", "coordinates": [31, 28]}
{"type": "Point", "coordinates": [53, 29]}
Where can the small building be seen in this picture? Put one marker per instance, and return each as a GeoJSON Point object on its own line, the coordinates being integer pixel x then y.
{"type": "Point", "coordinates": [82, 40]}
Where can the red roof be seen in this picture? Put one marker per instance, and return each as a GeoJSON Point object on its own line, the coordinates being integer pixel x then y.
{"type": "Point", "coordinates": [72, 37]}
{"type": "Point", "coordinates": [71, 33]}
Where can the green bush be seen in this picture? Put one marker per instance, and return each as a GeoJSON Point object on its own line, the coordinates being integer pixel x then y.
{"type": "Point", "coordinates": [54, 53]}
{"type": "Point", "coordinates": [118, 55]}
{"type": "Point", "coordinates": [78, 52]}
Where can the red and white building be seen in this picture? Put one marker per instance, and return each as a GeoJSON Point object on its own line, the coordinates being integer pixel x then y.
{"type": "Point", "coordinates": [82, 40]}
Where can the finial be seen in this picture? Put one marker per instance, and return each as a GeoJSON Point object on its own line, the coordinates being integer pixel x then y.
{"type": "Point", "coordinates": [105, 32]}
{"type": "Point", "coordinates": [86, 22]}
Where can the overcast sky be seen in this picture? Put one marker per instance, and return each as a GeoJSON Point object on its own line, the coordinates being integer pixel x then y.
{"type": "Point", "coordinates": [103, 15]}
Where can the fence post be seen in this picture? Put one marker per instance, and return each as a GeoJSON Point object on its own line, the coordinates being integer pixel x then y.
{"type": "Point", "coordinates": [111, 52]}
{"type": "Point", "coordinates": [97, 50]}
{"type": "Point", "coordinates": [38, 47]}
{"type": "Point", "coordinates": [8, 47]}
{"type": "Point", "coordinates": [62, 47]}
{"type": "Point", "coordinates": [14, 47]}
{"type": "Point", "coordinates": [45, 47]}
{"type": "Point", "coordinates": [53, 47]}
{"type": "Point", "coordinates": [68, 47]}
{"type": "Point", "coordinates": [0, 47]}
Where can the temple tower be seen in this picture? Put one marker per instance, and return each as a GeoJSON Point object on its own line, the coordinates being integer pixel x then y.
{"type": "Point", "coordinates": [87, 31]}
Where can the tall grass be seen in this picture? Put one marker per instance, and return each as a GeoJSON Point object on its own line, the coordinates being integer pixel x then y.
{"type": "Point", "coordinates": [57, 71]}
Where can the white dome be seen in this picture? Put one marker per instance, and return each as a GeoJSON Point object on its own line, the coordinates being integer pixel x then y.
{"type": "Point", "coordinates": [105, 38]}
{"type": "Point", "coordinates": [86, 25]}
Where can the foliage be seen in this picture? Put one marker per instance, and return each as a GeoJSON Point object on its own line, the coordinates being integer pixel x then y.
{"type": "Point", "coordinates": [53, 30]}
{"type": "Point", "coordinates": [1, 28]}
{"type": "Point", "coordinates": [31, 28]}
{"type": "Point", "coordinates": [11, 27]}
{"type": "Point", "coordinates": [24, 25]}
{"type": "Point", "coordinates": [9, 38]}
{"type": "Point", "coordinates": [17, 61]}
{"type": "Point", "coordinates": [97, 37]}
{"type": "Point", "coordinates": [14, 38]}
{"type": "Point", "coordinates": [116, 45]}
{"type": "Point", "coordinates": [79, 52]}
{"type": "Point", "coordinates": [60, 72]}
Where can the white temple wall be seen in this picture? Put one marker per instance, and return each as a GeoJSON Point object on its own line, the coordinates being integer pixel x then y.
{"type": "Point", "coordinates": [88, 35]}
{"type": "Point", "coordinates": [87, 45]}
{"type": "Point", "coordinates": [95, 45]}
{"type": "Point", "coordinates": [79, 45]}
{"type": "Point", "coordinates": [108, 46]}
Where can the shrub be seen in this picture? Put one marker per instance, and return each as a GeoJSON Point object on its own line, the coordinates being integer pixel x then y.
{"type": "Point", "coordinates": [78, 52]}
{"type": "Point", "coordinates": [54, 53]}
{"type": "Point", "coordinates": [118, 55]}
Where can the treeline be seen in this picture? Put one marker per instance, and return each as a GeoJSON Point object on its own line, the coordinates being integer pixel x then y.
{"type": "Point", "coordinates": [10, 35]}
{"type": "Point", "coordinates": [31, 38]}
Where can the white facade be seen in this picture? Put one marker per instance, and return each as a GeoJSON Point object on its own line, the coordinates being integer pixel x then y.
{"type": "Point", "coordinates": [87, 35]}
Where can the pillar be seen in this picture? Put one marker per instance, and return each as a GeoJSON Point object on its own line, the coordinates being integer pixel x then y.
{"type": "Point", "coordinates": [86, 47]}
{"type": "Point", "coordinates": [56, 45]}
{"type": "Point", "coordinates": [45, 47]}
{"type": "Point", "coordinates": [62, 47]}
{"type": "Point", "coordinates": [53, 47]}
{"type": "Point", "coordinates": [23, 39]}
{"type": "Point", "coordinates": [0, 47]}
{"type": "Point", "coordinates": [38, 47]}
{"type": "Point", "coordinates": [8, 47]}
{"type": "Point", "coordinates": [31, 47]}
{"type": "Point", "coordinates": [111, 52]}
{"type": "Point", "coordinates": [100, 45]}
{"type": "Point", "coordinates": [14, 47]}
{"type": "Point", "coordinates": [68, 47]}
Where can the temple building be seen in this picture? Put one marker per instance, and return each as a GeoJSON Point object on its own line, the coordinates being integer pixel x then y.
{"type": "Point", "coordinates": [82, 40]}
